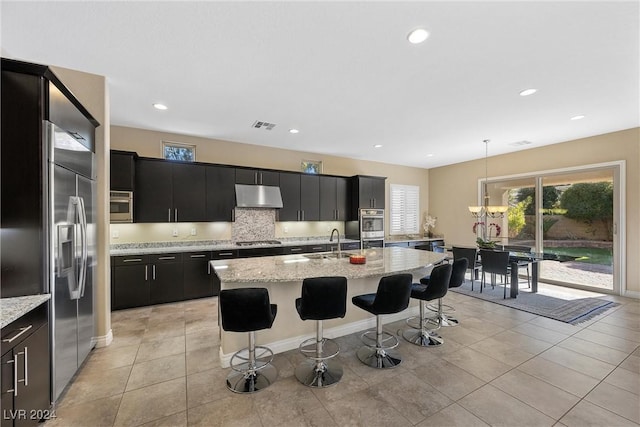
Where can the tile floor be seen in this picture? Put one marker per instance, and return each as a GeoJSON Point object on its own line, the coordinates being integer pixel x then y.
{"type": "Point", "coordinates": [499, 367]}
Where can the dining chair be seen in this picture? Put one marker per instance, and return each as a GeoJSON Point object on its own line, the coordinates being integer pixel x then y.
{"type": "Point", "coordinates": [494, 263]}
{"type": "Point", "coordinates": [521, 264]}
{"type": "Point", "coordinates": [471, 254]}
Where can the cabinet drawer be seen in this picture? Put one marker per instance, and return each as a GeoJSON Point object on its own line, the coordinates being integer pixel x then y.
{"type": "Point", "coordinates": [196, 256]}
{"type": "Point", "coordinates": [129, 260]}
{"type": "Point", "coordinates": [165, 258]}
{"type": "Point", "coordinates": [304, 249]}
{"type": "Point", "coordinates": [256, 252]}
{"type": "Point", "coordinates": [22, 328]}
{"type": "Point", "coordinates": [224, 254]}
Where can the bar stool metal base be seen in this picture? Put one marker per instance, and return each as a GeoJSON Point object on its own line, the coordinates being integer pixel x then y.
{"type": "Point", "coordinates": [252, 370]}
{"type": "Point", "coordinates": [378, 358]}
{"type": "Point", "coordinates": [376, 354]}
{"type": "Point", "coordinates": [421, 335]}
{"type": "Point", "coordinates": [422, 338]}
{"type": "Point", "coordinates": [251, 381]}
{"type": "Point", "coordinates": [321, 374]}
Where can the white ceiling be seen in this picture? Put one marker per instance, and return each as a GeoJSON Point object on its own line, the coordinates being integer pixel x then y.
{"type": "Point", "coordinates": [344, 74]}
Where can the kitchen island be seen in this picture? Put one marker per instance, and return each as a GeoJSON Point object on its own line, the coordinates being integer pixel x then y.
{"type": "Point", "coordinates": [283, 276]}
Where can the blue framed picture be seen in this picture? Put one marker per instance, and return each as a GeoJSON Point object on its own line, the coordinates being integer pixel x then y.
{"type": "Point", "coordinates": [311, 166]}
{"type": "Point", "coordinates": [178, 151]}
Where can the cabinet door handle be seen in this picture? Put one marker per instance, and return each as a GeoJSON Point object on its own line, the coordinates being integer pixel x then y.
{"type": "Point", "coordinates": [318, 248]}
{"type": "Point", "coordinates": [26, 366]}
{"type": "Point", "coordinates": [166, 257]}
{"type": "Point", "coordinates": [146, 273]}
{"type": "Point", "coordinates": [296, 249]}
{"type": "Point", "coordinates": [225, 254]}
{"type": "Point", "coordinates": [198, 256]}
{"type": "Point", "coordinates": [302, 215]}
{"type": "Point", "coordinates": [153, 272]}
{"type": "Point", "coordinates": [208, 268]}
{"type": "Point", "coordinates": [175, 215]}
{"type": "Point", "coordinates": [133, 260]}
{"type": "Point", "coordinates": [22, 331]}
{"type": "Point", "coordinates": [14, 390]}
{"type": "Point", "coordinates": [169, 215]}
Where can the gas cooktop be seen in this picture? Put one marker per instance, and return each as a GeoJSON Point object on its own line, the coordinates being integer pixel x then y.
{"type": "Point", "coordinates": [259, 243]}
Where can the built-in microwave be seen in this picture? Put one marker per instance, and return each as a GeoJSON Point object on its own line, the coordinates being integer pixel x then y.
{"type": "Point", "coordinates": [121, 206]}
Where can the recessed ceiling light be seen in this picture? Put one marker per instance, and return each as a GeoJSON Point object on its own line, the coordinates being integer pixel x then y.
{"type": "Point", "coordinates": [430, 155]}
{"type": "Point", "coordinates": [293, 131]}
{"type": "Point", "coordinates": [528, 92]}
{"type": "Point", "coordinates": [160, 106]}
{"type": "Point", "coordinates": [579, 117]}
{"type": "Point", "coordinates": [377, 146]}
{"type": "Point", "coordinates": [418, 36]}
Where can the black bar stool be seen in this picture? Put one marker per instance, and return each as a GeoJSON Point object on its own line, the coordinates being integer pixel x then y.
{"type": "Point", "coordinates": [436, 289]}
{"type": "Point", "coordinates": [391, 297]}
{"type": "Point", "coordinates": [443, 316]}
{"type": "Point", "coordinates": [249, 310]}
{"type": "Point", "coordinates": [322, 298]}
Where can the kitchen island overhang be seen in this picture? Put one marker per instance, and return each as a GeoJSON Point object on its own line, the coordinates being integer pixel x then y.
{"type": "Point", "coordinates": [283, 275]}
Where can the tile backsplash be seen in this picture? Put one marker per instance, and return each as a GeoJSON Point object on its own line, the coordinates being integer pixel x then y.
{"type": "Point", "coordinates": [254, 224]}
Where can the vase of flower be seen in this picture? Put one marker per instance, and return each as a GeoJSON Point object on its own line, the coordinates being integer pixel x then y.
{"type": "Point", "coordinates": [429, 223]}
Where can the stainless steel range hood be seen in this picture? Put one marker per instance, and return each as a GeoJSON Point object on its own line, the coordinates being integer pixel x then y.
{"type": "Point", "coordinates": [258, 196]}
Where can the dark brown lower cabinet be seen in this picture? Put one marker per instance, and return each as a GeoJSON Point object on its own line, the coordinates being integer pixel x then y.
{"type": "Point", "coordinates": [130, 282]}
{"type": "Point", "coordinates": [198, 280]}
{"type": "Point", "coordinates": [25, 372]}
{"type": "Point", "coordinates": [167, 282]}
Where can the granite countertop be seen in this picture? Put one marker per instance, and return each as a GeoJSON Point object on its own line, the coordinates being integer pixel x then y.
{"type": "Point", "coordinates": [16, 307]}
{"type": "Point", "coordinates": [290, 268]}
{"type": "Point", "coordinates": [209, 245]}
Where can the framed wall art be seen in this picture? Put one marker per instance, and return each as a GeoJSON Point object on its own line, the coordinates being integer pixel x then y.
{"type": "Point", "coordinates": [178, 151]}
{"type": "Point", "coordinates": [311, 166]}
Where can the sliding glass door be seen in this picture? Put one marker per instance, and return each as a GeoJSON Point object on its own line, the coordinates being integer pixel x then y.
{"type": "Point", "coordinates": [573, 212]}
{"type": "Point", "coordinates": [580, 225]}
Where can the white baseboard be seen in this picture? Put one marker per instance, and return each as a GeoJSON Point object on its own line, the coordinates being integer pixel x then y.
{"type": "Point", "coordinates": [103, 340]}
{"type": "Point", "coordinates": [339, 331]}
{"type": "Point", "coordinates": [631, 294]}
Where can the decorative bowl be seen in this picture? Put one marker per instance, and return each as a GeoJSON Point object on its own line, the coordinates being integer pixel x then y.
{"type": "Point", "coordinates": [357, 259]}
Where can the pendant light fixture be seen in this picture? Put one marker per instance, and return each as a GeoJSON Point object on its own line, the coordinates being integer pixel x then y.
{"type": "Point", "coordinates": [484, 213]}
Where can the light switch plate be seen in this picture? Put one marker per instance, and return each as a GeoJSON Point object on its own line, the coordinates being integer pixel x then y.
{"type": "Point", "coordinates": [175, 232]}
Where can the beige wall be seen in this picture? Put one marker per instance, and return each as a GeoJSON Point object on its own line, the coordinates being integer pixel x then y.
{"type": "Point", "coordinates": [454, 187]}
{"type": "Point", "coordinates": [93, 93]}
{"type": "Point", "coordinates": [149, 144]}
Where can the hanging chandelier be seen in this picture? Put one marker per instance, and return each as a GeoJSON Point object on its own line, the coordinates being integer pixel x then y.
{"type": "Point", "coordinates": [483, 213]}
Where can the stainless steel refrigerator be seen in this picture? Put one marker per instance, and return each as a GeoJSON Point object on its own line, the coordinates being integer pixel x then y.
{"type": "Point", "coordinates": [72, 262]}
{"type": "Point", "coordinates": [47, 219]}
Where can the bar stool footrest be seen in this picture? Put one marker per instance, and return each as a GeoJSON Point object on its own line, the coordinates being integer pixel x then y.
{"type": "Point", "coordinates": [240, 360]}
{"type": "Point", "coordinates": [329, 349]}
{"type": "Point", "coordinates": [369, 338]}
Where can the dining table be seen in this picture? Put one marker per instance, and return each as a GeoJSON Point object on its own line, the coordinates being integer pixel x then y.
{"type": "Point", "coordinates": [517, 258]}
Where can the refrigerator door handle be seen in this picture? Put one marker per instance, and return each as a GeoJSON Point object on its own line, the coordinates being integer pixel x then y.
{"type": "Point", "coordinates": [84, 246]}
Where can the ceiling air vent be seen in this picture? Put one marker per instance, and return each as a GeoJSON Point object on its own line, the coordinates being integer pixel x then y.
{"type": "Point", "coordinates": [519, 143]}
{"type": "Point", "coordinates": [263, 125]}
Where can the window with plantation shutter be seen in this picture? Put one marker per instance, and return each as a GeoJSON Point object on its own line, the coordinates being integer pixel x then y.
{"type": "Point", "coordinates": [404, 217]}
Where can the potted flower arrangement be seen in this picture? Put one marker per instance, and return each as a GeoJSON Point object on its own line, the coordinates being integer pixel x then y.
{"type": "Point", "coordinates": [484, 240]}
{"type": "Point", "coordinates": [429, 223]}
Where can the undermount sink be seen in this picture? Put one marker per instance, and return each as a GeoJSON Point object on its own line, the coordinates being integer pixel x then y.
{"type": "Point", "coordinates": [326, 255]}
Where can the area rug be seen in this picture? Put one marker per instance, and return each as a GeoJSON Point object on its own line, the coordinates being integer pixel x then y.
{"type": "Point", "coordinates": [568, 311]}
